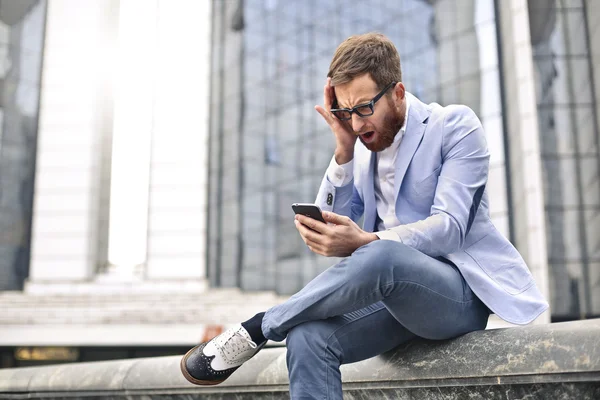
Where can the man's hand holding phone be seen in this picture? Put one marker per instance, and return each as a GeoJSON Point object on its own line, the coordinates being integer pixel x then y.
{"type": "Point", "coordinates": [335, 236]}
{"type": "Point", "coordinates": [344, 136]}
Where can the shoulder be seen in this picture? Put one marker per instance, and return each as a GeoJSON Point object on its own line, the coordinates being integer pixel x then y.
{"type": "Point", "coordinates": [438, 116]}
{"type": "Point", "coordinates": [458, 115]}
{"type": "Point", "coordinates": [453, 115]}
{"type": "Point", "coordinates": [455, 121]}
{"type": "Point", "coordinates": [452, 124]}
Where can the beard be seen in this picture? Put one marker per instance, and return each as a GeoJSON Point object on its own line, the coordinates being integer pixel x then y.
{"type": "Point", "coordinates": [392, 124]}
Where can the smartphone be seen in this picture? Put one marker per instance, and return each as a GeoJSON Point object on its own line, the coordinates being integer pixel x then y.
{"type": "Point", "coordinates": [310, 210]}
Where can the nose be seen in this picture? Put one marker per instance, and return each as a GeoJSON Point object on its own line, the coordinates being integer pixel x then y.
{"type": "Point", "coordinates": [357, 122]}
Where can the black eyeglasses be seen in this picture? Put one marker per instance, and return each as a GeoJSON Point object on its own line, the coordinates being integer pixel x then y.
{"type": "Point", "coordinates": [362, 110]}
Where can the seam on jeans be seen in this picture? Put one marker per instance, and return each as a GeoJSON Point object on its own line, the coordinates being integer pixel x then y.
{"type": "Point", "coordinates": [326, 371]}
{"type": "Point", "coordinates": [332, 335]}
{"type": "Point", "coordinates": [327, 387]}
{"type": "Point", "coordinates": [416, 283]}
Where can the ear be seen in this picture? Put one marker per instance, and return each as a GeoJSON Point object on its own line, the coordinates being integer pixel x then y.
{"type": "Point", "coordinates": [399, 92]}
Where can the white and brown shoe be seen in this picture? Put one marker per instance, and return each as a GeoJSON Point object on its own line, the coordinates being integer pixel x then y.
{"type": "Point", "coordinates": [210, 363]}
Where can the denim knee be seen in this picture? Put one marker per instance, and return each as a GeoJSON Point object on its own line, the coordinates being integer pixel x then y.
{"type": "Point", "coordinates": [313, 361]}
{"type": "Point", "coordinates": [383, 255]}
{"type": "Point", "coordinates": [310, 339]}
{"type": "Point", "coordinates": [384, 250]}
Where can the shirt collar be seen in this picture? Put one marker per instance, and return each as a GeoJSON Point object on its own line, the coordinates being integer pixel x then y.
{"type": "Point", "coordinates": [403, 129]}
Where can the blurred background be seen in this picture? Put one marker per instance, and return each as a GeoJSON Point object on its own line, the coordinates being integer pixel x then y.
{"type": "Point", "coordinates": [150, 151]}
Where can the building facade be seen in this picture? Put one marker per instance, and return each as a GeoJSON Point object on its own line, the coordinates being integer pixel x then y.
{"type": "Point", "coordinates": [526, 69]}
{"type": "Point", "coordinates": [565, 56]}
{"type": "Point", "coordinates": [21, 50]}
{"type": "Point", "coordinates": [150, 152]}
{"type": "Point", "coordinates": [103, 133]}
{"type": "Point", "coordinates": [122, 136]}
{"type": "Point", "coordinates": [103, 145]}
{"type": "Point", "coordinates": [270, 148]}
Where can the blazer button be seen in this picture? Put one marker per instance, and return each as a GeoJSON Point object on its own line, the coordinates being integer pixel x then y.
{"type": "Point", "coordinates": [329, 199]}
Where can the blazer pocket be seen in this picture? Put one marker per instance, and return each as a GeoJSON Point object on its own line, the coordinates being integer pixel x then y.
{"type": "Point", "coordinates": [501, 262]}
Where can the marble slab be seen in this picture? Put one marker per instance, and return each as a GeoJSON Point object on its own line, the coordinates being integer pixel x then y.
{"type": "Point", "coordinates": [550, 361]}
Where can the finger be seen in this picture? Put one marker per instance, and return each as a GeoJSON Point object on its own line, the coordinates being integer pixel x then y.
{"type": "Point", "coordinates": [307, 234]}
{"type": "Point", "coordinates": [314, 245]}
{"type": "Point", "coordinates": [327, 116]}
{"type": "Point", "coordinates": [327, 94]}
{"type": "Point", "coordinates": [311, 235]}
{"type": "Point", "coordinates": [316, 248]}
{"type": "Point", "coordinates": [312, 224]}
{"type": "Point", "coordinates": [336, 218]}
{"type": "Point", "coordinates": [301, 229]}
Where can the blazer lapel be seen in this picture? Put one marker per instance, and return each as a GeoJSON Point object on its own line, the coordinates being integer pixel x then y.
{"type": "Point", "coordinates": [417, 115]}
{"type": "Point", "coordinates": [369, 193]}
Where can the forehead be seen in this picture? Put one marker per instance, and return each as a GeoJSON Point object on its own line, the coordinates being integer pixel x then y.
{"type": "Point", "coordinates": [359, 90]}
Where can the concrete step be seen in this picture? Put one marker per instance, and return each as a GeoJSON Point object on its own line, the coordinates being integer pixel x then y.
{"type": "Point", "coordinates": [121, 318]}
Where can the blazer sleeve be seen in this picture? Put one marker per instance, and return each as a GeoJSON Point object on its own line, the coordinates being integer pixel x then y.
{"type": "Point", "coordinates": [344, 200]}
{"type": "Point", "coordinates": [460, 187]}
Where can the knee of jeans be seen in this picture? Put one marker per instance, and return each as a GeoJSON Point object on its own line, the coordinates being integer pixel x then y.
{"type": "Point", "coordinates": [309, 338]}
{"type": "Point", "coordinates": [384, 253]}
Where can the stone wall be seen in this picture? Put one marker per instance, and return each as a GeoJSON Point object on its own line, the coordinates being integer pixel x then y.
{"type": "Point", "coordinates": [552, 361]}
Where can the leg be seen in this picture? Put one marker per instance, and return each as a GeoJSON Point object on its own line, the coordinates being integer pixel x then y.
{"type": "Point", "coordinates": [412, 293]}
{"type": "Point", "coordinates": [316, 349]}
{"type": "Point", "coordinates": [428, 296]}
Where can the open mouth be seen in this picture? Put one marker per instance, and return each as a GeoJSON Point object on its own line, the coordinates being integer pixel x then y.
{"type": "Point", "coordinates": [367, 137]}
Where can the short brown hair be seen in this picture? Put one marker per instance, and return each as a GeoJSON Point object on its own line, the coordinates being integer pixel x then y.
{"type": "Point", "coordinates": [371, 53]}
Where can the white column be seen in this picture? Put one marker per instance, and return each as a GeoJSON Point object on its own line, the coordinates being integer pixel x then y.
{"type": "Point", "coordinates": [179, 167]}
{"type": "Point", "coordinates": [152, 155]}
{"type": "Point", "coordinates": [134, 107]}
{"type": "Point", "coordinates": [525, 157]}
{"type": "Point", "coordinates": [72, 131]}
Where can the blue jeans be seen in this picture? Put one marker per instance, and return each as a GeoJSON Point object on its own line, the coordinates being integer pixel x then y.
{"type": "Point", "coordinates": [382, 295]}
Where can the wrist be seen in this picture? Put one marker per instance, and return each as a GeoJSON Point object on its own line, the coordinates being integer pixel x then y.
{"type": "Point", "coordinates": [343, 156]}
{"type": "Point", "coordinates": [370, 237]}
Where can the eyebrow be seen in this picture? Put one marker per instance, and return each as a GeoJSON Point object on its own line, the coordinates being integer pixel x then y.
{"type": "Point", "coordinates": [358, 103]}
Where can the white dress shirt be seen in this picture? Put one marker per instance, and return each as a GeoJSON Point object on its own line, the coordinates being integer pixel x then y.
{"type": "Point", "coordinates": [341, 175]}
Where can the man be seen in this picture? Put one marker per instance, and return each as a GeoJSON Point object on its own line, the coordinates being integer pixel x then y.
{"type": "Point", "coordinates": [428, 261]}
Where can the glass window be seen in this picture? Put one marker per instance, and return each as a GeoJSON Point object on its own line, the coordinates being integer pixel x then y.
{"type": "Point", "coordinates": [21, 51]}
{"type": "Point", "coordinates": [286, 144]}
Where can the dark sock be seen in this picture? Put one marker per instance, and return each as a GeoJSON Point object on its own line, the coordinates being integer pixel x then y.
{"type": "Point", "coordinates": [253, 326]}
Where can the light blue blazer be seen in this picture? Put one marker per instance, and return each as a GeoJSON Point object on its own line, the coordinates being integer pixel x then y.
{"type": "Point", "coordinates": [441, 202]}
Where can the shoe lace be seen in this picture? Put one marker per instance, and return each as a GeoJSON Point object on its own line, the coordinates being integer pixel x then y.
{"type": "Point", "coordinates": [237, 343]}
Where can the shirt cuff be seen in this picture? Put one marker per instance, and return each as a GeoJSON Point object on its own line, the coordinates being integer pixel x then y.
{"type": "Point", "coordinates": [388, 235]}
{"type": "Point", "coordinates": [340, 175]}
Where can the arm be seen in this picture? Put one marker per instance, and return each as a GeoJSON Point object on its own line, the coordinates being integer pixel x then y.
{"type": "Point", "coordinates": [341, 236]}
{"type": "Point", "coordinates": [337, 192]}
{"type": "Point", "coordinates": [461, 184]}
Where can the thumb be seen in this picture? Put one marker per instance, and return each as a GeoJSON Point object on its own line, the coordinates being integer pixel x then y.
{"type": "Point", "coordinates": [336, 218]}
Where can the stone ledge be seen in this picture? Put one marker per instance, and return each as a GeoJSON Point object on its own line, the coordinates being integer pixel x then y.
{"type": "Point", "coordinates": [544, 361]}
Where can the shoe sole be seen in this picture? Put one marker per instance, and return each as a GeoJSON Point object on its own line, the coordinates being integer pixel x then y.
{"type": "Point", "coordinates": [189, 377]}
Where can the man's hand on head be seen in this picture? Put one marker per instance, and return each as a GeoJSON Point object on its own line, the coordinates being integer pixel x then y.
{"type": "Point", "coordinates": [344, 136]}
{"type": "Point", "coordinates": [338, 238]}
